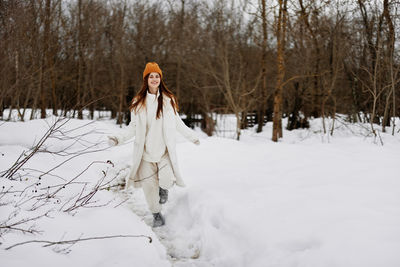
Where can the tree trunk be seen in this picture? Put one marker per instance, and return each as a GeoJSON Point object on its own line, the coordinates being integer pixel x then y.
{"type": "Point", "coordinates": [281, 34]}
{"type": "Point", "coordinates": [179, 50]}
{"type": "Point", "coordinates": [45, 46]}
{"type": "Point", "coordinates": [79, 90]}
{"type": "Point", "coordinates": [1, 107]}
{"type": "Point", "coordinates": [121, 57]}
{"type": "Point", "coordinates": [294, 120]}
{"type": "Point", "coordinates": [316, 91]}
{"type": "Point", "coordinates": [262, 107]}
{"type": "Point", "coordinates": [238, 125]}
{"type": "Point", "coordinates": [391, 40]}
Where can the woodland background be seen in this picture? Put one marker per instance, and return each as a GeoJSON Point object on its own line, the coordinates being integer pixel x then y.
{"type": "Point", "coordinates": [299, 59]}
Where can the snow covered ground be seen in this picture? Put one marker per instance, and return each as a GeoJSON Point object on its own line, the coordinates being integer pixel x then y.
{"type": "Point", "coordinates": [309, 200]}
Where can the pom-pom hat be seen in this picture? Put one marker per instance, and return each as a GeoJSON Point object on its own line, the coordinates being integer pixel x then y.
{"type": "Point", "coordinates": [152, 67]}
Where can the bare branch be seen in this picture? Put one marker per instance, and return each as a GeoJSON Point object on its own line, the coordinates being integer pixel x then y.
{"type": "Point", "coordinates": [74, 241]}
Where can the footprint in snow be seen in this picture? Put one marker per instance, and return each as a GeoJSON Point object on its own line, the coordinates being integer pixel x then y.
{"type": "Point", "coordinates": [177, 235]}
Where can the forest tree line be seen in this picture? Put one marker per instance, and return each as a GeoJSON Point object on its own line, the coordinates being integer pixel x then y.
{"type": "Point", "coordinates": [318, 58]}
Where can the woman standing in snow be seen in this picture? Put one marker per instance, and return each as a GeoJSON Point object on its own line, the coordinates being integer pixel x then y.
{"type": "Point", "coordinates": [154, 122]}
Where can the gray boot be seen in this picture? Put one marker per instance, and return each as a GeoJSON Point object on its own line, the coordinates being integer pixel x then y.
{"type": "Point", "coordinates": [163, 195]}
{"type": "Point", "coordinates": [158, 220]}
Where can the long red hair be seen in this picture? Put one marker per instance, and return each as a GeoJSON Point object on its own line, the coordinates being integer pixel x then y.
{"type": "Point", "coordinates": [139, 102]}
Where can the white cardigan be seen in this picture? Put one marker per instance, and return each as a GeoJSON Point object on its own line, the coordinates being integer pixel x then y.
{"type": "Point", "coordinates": [137, 128]}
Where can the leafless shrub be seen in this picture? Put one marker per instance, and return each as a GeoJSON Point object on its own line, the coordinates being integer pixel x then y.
{"type": "Point", "coordinates": [28, 194]}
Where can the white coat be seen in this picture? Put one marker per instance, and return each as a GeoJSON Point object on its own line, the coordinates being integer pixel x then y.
{"type": "Point", "coordinates": [137, 128]}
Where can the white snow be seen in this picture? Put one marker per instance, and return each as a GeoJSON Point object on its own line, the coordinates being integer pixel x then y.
{"type": "Point", "coordinates": [309, 200]}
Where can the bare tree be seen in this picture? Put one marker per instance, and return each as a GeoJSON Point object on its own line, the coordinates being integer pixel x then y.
{"type": "Point", "coordinates": [232, 72]}
{"type": "Point", "coordinates": [280, 59]}
{"type": "Point", "coordinates": [264, 94]}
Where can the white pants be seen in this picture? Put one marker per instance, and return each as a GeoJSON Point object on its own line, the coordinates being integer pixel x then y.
{"type": "Point", "coordinates": [154, 175]}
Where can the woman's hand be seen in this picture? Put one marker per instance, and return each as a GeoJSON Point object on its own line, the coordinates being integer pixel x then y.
{"type": "Point", "coordinates": [112, 140]}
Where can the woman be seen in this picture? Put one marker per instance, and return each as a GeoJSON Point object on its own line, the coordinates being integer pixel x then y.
{"type": "Point", "coordinates": [154, 122]}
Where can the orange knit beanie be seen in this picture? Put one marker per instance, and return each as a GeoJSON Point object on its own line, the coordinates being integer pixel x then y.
{"type": "Point", "coordinates": [152, 67]}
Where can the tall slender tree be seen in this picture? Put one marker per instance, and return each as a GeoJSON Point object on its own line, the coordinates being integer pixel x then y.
{"type": "Point", "coordinates": [263, 104]}
{"type": "Point", "coordinates": [280, 59]}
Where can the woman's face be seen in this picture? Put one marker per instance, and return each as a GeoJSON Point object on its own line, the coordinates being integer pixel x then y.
{"type": "Point", "coordinates": [154, 80]}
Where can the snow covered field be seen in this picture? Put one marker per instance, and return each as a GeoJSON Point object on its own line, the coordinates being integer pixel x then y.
{"type": "Point", "coordinates": [309, 200]}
